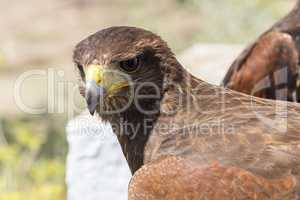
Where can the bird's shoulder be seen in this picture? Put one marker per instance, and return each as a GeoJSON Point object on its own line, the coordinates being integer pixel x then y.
{"type": "Point", "coordinates": [188, 180]}
{"type": "Point", "coordinates": [272, 51]}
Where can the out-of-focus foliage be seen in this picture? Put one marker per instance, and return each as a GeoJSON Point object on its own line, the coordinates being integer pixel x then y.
{"type": "Point", "coordinates": [32, 159]}
{"type": "Point", "coordinates": [235, 20]}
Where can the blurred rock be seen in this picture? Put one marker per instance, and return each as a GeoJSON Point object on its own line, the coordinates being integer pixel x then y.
{"type": "Point", "coordinates": [96, 168]}
{"type": "Point", "coordinates": [210, 62]}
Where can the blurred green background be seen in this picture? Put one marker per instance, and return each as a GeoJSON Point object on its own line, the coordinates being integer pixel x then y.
{"type": "Point", "coordinates": [41, 35]}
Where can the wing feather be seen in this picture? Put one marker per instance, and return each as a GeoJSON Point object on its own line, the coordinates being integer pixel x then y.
{"type": "Point", "coordinates": [267, 69]}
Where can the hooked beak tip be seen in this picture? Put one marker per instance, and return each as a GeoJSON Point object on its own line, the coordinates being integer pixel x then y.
{"type": "Point", "coordinates": [92, 103]}
{"type": "Point", "coordinates": [92, 94]}
{"type": "Point", "coordinates": [91, 110]}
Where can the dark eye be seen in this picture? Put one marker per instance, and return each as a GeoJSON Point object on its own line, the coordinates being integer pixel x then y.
{"type": "Point", "coordinates": [130, 65]}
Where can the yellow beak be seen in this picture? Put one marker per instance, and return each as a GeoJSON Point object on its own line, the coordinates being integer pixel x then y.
{"type": "Point", "coordinates": [93, 89]}
{"type": "Point", "coordinates": [95, 73]}
{"type": "Point", "coordinates": [99, 85]}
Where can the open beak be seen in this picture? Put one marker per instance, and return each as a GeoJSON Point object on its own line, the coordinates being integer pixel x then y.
{"type": "Point", "coordinates": [94, 89]}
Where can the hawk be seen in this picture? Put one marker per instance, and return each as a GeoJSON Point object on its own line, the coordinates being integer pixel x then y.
{"type": "Point", "coordinates": [269, 68]}
{"type": "Point", "coordinates": [184, 138]}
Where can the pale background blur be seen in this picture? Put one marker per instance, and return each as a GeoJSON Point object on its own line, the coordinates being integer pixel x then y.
{"type": "Point", "coordinates": [40, 35]}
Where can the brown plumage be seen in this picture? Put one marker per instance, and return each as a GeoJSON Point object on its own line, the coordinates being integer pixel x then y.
{"type": "Point", "coordinates": [269, 67]}
{"type": "Point", "coordinates": [185, 138]}
{"type": "Point", "coordinates": [183, 179]}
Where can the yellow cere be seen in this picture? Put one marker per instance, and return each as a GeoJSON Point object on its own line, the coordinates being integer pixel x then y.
{"type": "Point", "coordinates": [94, 73]}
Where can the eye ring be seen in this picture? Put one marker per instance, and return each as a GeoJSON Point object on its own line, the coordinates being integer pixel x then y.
{"type": "Point", "coordinates": [130, 65]}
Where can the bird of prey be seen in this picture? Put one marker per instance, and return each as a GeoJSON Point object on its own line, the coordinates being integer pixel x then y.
{"type": "Point", "coordinates": [184, 138]}
{"type": "Point", "coordinates": [269, 67]}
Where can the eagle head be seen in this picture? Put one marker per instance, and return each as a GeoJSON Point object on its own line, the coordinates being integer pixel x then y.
{"type": "Point", "coordinates": [122, 68]}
